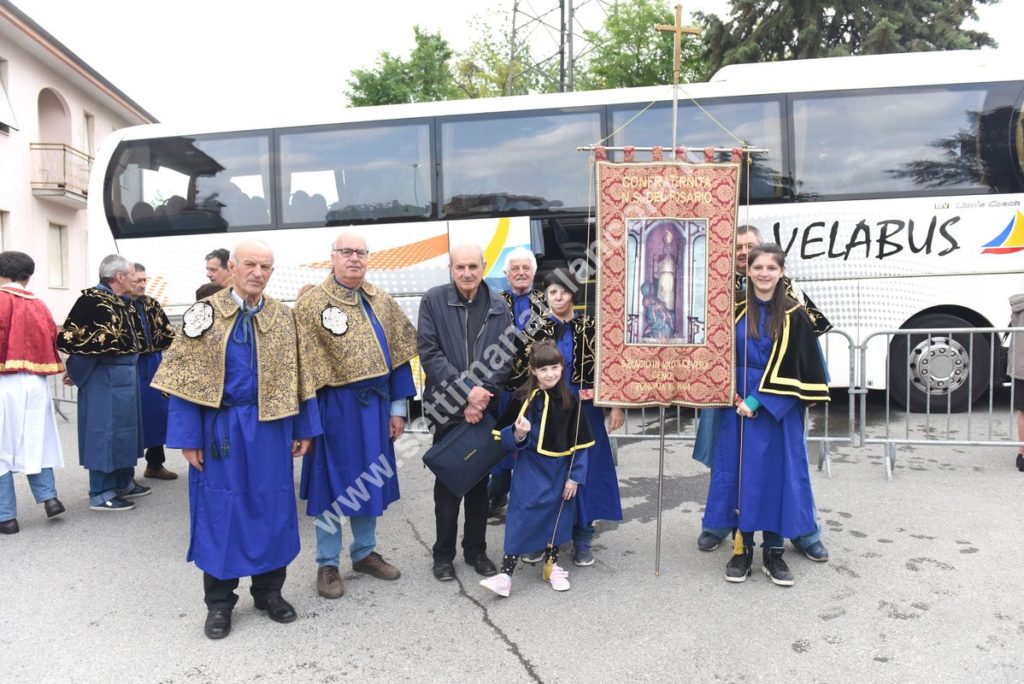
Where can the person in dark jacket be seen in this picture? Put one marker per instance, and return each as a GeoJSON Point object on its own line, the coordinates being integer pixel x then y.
{"type": "Point", "coordinates": [465, 341]}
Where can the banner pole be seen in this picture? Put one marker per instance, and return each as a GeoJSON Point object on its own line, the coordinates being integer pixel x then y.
{"type": "Point", "coordinates": [661, 486]}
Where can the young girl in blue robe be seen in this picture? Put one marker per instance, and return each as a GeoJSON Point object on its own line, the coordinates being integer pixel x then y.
{"type": "Point", "coordinates": [761, 479]}
{"type": "Point", "coordinates": [573, 333]}
{"type": "Point", "coordinates": [550, 437]}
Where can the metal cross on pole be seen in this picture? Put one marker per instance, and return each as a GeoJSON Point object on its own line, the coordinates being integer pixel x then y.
{"type": "Point", "coordinates": [678, 29]}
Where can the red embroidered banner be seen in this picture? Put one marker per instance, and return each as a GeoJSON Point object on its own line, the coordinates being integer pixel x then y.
{"type": "Point", "coordinates": [664, 286]}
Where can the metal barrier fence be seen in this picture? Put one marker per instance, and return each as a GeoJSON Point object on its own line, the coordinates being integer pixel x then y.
{"type": "Point", "coordinates": [825, 424]}
{"type": "Point", "coordinates": [62, 394]}
{"type": "Point", "coordinates": [938, 374]}
{"type": "Point", "coordinates": [944, 373]}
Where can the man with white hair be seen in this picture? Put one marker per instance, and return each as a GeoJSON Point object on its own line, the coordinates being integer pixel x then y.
{"type": "Point", "coordinates": [103, 341]}
{"type": "Point", "coordinates": [462, 326]}
{"type": "Point", "coordinates": [523, 299]}
{"type": "Point", "coordinates": [238, 416]}
{"type": "Point", "coordinates": [525, 302]}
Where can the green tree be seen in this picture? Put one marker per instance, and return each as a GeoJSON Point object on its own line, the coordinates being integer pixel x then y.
{"type": "Point", "coordinates": [769, 30]}
{"type": "Point", "coordinates": [426, 76]}
{"type": "Point", "coordinates": [498, 63]}
{"type": "Point", "coordinates": [628, 51]}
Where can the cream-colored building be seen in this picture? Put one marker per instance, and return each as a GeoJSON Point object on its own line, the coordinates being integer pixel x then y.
{"type": "Point", "coordinates": [55, 111]}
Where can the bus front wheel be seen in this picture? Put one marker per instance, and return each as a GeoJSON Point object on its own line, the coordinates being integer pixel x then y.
{"type": "Point", "coordinates": [938, 371]}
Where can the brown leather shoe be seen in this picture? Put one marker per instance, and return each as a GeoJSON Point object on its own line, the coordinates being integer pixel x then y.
{"type": "Point", "coordinates": [376, 566]}
{"type": "Point", "coordinates": [53, 507]}
{"type": "Point", "coordinates": [161, 474]}
{"type": "Point", "coordinates": [329, 583]}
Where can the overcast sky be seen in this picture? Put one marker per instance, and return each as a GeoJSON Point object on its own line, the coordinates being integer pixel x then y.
{"type": "Point", "coordinates": [215, 63]}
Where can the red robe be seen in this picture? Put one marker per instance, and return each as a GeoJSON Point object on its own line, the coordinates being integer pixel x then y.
{"type": "Point", "coordinates": [28, 335]}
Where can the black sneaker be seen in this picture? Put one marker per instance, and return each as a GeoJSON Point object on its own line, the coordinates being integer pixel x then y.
{"type": "Point", "coordinates": [115, 504]}
{"type": "Point", "coordinates": [496, 507]}
{"type": "Point", "coordinates": [738, 567]}
{"type": "Point", "coordinates": [136, 492]}
{"type": "Point", "coordinates": [1020, 462]}
{"type": "Point", "coordinates": [776, 568]}
{"type": "Point", "coordinates": [708, 542]}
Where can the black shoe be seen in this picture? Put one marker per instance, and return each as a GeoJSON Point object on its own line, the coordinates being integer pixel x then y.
{"type": "Point", "coordinates": [9, 526]}
{"type": "Point", "coordinates": [115, 504]}
{"type": "Point", "coordinates": [277, 609]}
{"type": "Point", "coordinates": [815, 552]}
{"type": "Point", "coordinates": [218, 623]}
{"type": "Point", "coordinates": [444, 571]}
{"type": "Point", "coordinates": [708, 542]}
{"type": "Point", "coordinates": [1020, 462]}
{"type": "Point", "coordinates": [137, 491]}
{"type": "Point", "coordinates": [53, 507]}
{"type": "Point", "coordinates": [483, 566]}
{"type": "Point", "coordinates": [497, 506]}
{"type": "Point", "coordinates": [738, 567]}
{"type": "Point", "coordinates": [775, 567]}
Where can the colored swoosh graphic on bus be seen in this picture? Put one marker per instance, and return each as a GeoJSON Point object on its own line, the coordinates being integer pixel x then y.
{"type": "Point", "coordinates": [1010, 240]}
{"type": "Point", "coordinates": [398, 258]}
{"type": "Point", "coordinates": [493, 250]}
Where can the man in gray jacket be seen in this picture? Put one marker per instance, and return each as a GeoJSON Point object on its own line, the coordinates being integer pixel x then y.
{"type": "Point", "coordinates": [464, 340]}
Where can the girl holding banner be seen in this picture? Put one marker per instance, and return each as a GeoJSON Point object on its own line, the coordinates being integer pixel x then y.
{"type": "Point", "coordinates": [761, 479]}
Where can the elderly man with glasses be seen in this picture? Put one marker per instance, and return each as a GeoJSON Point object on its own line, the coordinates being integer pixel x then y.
{"type": "Point", "coordinates": [356, 344]}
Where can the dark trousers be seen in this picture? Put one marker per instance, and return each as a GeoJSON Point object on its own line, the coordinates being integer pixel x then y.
{"type": "Point", "coordinates": [446, 515]}
{"type": "Point", "coordinates": [220, 593]}
{"type": "Point", "coordinates": [155, 458]}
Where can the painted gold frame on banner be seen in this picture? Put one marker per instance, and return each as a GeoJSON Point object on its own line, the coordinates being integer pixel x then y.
{"type": "Point", "coordinates": [666, 334]}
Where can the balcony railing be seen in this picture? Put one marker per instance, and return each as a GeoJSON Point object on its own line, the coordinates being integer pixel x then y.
{"type": "Point", "coordinates": [59, 167]}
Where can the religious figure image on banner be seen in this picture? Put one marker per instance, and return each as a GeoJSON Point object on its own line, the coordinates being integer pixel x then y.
{"type": "Point", "coordinates": [664, 300]}
{"type": "Point", "coordinates": [666, 273]}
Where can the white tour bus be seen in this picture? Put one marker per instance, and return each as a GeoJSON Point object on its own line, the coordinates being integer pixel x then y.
{"type": "Point", "coordinates": [894, 182]}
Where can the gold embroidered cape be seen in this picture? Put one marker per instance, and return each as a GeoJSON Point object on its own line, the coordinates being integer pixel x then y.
{"type": "Point", "coordinates": [337, 344]}
{"type": "Point", "coordinates": [161, 332]}
{"type": "Point", "coordinates": [193, 367]}
{"type": "Point", "coordinates": [100, 322]}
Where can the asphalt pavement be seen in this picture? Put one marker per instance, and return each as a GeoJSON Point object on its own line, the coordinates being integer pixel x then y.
{"type": "Point", "coordinates": [924, 584]}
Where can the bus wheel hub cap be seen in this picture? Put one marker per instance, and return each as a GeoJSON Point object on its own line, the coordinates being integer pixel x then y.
{"type": "Point", "coordinates": [938, 365]}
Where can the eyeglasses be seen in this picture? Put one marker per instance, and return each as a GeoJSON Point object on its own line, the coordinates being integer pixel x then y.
{"type": "Point", "coordinates": [347, 252]}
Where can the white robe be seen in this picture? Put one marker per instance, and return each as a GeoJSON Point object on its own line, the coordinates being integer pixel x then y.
{"type": "Point", "coordinates": [28, 429]}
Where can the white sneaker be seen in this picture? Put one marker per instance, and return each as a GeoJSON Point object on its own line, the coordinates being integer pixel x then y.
{"type": "Point", "coordinates": [500, 584]}
{"type": "Point", "coordinates": [559, 578]}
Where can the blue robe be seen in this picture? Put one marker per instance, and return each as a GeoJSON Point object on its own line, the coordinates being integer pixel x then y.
{"type": "Point", "coordinates": [154, 403]}
{"type": "Point", "coordinates": [352, 470]}
{"type": "Point", "coordinates": [242, 504]}
{"type": "Point", "coordinates": [109, 412]}
{"type": "Point", "coordinates": [536, 495]}
{"type": "Point", "coordinates": [599, 497]}
{"type": "Point", "coordinates": [776, 481]}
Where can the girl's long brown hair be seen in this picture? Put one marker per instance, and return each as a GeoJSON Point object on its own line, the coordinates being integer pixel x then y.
{"type": "Point", "coordinates": [545, 353]}
{"type": "Point", "coordinates": [779, 302]}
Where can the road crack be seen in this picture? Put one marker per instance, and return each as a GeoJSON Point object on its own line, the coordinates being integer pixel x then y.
{"type": "Point", "coordinates": [509, 642]}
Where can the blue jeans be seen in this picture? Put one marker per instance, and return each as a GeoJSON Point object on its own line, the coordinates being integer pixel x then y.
{"type": "Point", "coordinates": [43, 487]}
{"type": "Point", "coordinates": [328, 537]}
{"type": "Point", "coordinates": [801, 542]}
{"type": "Point", "coordinates": [105, 486]}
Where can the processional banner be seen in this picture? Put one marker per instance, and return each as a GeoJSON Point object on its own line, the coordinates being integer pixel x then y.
{"type": "Point", "coordinates": [665, 283]}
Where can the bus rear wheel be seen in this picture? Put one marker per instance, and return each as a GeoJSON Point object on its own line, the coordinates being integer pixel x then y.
{"type": "Point", "coordinates": [938, 372]}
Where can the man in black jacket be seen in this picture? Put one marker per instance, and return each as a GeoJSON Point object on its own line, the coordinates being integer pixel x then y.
{"type": "Point", "coordinates": [464, 340]}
